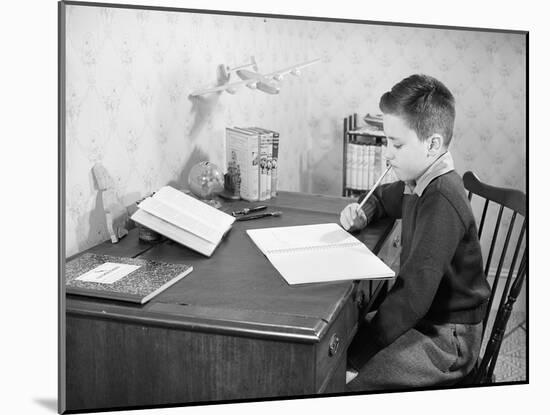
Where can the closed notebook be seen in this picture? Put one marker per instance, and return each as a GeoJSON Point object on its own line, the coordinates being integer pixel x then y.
{"type": "Point", "coordinates": [318, 253]}
{"type": "Point", "coordinates": [126, 279]}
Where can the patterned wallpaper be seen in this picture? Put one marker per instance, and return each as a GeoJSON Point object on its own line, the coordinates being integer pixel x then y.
{"type": "Point", "coordinates": [129, 74]}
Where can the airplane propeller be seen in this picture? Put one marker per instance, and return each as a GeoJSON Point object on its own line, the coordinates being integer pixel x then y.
{"type": "Point", "coordinates": [227, 70]}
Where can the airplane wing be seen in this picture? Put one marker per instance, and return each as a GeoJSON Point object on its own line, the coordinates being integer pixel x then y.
{"type": "Point", "coordinates": [230, 87]}
{"type": "Point", "coordinates": [264, 82]}
{"type": "Point", "coordinates": [291, 69]}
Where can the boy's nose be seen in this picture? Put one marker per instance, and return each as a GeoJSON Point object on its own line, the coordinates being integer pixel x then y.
{"type": "Point", "coordinates": [387, 153]}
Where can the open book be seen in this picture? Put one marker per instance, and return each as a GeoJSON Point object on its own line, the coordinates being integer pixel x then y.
{"type": "Point", "coordinates": [318, 253]}
{"type": "Point", "coordinates": [184, 219]}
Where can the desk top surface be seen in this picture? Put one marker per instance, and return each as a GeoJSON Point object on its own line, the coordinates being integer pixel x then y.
{"type": "Point", "coordinates": [237, 287]}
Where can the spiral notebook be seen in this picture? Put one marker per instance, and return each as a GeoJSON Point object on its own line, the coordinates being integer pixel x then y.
{"type": "Point", "coordinates": [318, 253]}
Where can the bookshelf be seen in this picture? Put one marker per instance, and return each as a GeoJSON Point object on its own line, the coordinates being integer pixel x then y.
{"type": "Point", "coordinates": [362, 156]}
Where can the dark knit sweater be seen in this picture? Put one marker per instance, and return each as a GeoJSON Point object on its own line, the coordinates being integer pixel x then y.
{"type": "Point", "coordinates": [441, 275]}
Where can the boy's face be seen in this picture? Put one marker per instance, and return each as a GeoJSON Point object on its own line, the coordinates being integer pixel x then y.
{"type": "Point", "coordinates": [408, 156]}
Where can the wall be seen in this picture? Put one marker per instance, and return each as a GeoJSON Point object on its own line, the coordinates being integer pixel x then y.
{"type": "Point", "coordinates": [485, 71]}
{"type": "Point", "coordinates": [129, 74]}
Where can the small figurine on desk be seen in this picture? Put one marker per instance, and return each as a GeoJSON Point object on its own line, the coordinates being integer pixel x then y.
{"type": "Point", "coordinates": [116, 215]}
{"type": "Point", "coordinates": [232, 180]}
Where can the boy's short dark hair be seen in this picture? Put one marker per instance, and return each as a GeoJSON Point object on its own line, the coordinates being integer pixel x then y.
{"type": "Point", "coordinates": [427, 106]}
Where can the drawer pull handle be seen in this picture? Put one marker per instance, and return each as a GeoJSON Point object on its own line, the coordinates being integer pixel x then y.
{"type": "Point", "coordinates": [333, 346]}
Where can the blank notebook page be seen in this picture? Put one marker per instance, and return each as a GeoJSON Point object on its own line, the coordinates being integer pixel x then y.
{"type": "Point", "coordinates": [318, 253]}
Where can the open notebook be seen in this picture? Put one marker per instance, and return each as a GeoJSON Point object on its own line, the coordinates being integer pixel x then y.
{"type": "Point", "coordinates": [318, 253]}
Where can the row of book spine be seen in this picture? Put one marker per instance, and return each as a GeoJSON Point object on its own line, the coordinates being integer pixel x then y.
{"type": "Point", "coordinates": [252, 155]}
{"type": "Point", "coordinates": [365, 164]}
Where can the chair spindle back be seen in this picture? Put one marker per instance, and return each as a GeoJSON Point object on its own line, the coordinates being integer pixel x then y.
{"type": "Point", "coordinates": [513, 202]}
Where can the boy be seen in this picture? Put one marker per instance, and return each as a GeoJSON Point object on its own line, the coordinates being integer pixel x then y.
{"type": "Point", "coordinates": [427, 331]}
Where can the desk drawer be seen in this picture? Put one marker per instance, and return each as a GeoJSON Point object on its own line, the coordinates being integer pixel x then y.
{"type": "Point", "coordinates": [331, 351]}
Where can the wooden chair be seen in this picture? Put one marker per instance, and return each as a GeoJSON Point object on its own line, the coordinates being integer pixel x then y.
{"type": "Point", "coordinates": [514, 202]}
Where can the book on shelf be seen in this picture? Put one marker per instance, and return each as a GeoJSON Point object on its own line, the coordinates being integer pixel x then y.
{"type": "Point", "coordinates": [364, 165]}
{"type": "Point", "coordinates": [318, 253]}
{"type": "Point", "coordinates": [243, 153]}
{"type": "Point", "coordinates": [371, 167]}
{"type": "Point", "coordinates": [363, 177]}
{"type": "Point", "coordinates": [357, 163]}
{"type": "Point", "coordinates": [367, 130]}
{"type": "Point", "coordinates": [126, 279]}
{"type": "Point", "coordinates": [360, 165]}
{"type": "Point", "coordinates": [362, 170]}
{"type": "Point", "coordinates": [184, 219]}
{"type": "Point", "coordinates": [365, 162]}
{"type": "Point", "coordinates": [375, 120]}
{"type": "Point", "coordinates": [378, 163]}
{"type": "Point", "coordinates": [349, 150]}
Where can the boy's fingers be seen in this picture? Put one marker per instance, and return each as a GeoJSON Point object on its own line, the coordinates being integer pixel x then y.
{"type": "Point", "coordinates": [344, 221]}
{"type": "Point", "coordinates": [351, 217]}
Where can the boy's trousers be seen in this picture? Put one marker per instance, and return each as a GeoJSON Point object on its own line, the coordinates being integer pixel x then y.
{"type": "Point", "coordinates": [427, 355]}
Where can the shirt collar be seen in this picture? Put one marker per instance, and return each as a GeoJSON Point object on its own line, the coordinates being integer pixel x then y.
{"type": "Point", "coordinates": [443, 164]}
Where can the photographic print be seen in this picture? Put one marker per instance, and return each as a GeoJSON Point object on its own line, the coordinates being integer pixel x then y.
{"type": "Point", "coordinates": [185, 131]}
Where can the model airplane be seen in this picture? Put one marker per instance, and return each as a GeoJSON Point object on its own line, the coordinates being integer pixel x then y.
{"type": "Point", "coordinates": [268, 83]}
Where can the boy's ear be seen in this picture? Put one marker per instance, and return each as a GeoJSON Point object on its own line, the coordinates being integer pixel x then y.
{"type": "Point", "coordinates": [435, 144]}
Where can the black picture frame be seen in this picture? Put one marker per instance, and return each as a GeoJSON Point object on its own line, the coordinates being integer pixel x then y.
{"type": "Point", "coordinates": [62, 154]}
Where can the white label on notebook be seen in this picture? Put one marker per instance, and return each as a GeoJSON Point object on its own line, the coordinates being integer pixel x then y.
{"type": "Point", "coordinates": [108, 273]}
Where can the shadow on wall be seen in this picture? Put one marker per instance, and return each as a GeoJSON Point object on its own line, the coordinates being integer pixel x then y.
{"type": "Point", "coordinates": [325, 158]}
{"type": "Point", "coordinates": [323, 174]}
{"type": "Point", "coordinates": [91, 228]}
{"type": "Point", "coordinates": [201, 110]}
{"type": "Point", "coordinates": [203, 106]}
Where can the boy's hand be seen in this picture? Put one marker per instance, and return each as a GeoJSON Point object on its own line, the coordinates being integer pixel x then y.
{"type": "Point", "coordinates": [352, 218]}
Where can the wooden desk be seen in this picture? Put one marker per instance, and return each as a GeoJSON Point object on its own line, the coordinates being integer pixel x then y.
{"type": "Point", "coordinates": [232, 329]}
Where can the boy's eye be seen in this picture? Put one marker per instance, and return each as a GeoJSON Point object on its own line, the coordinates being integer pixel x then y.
{"type": "Point", "coordinates": [397, 145]}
